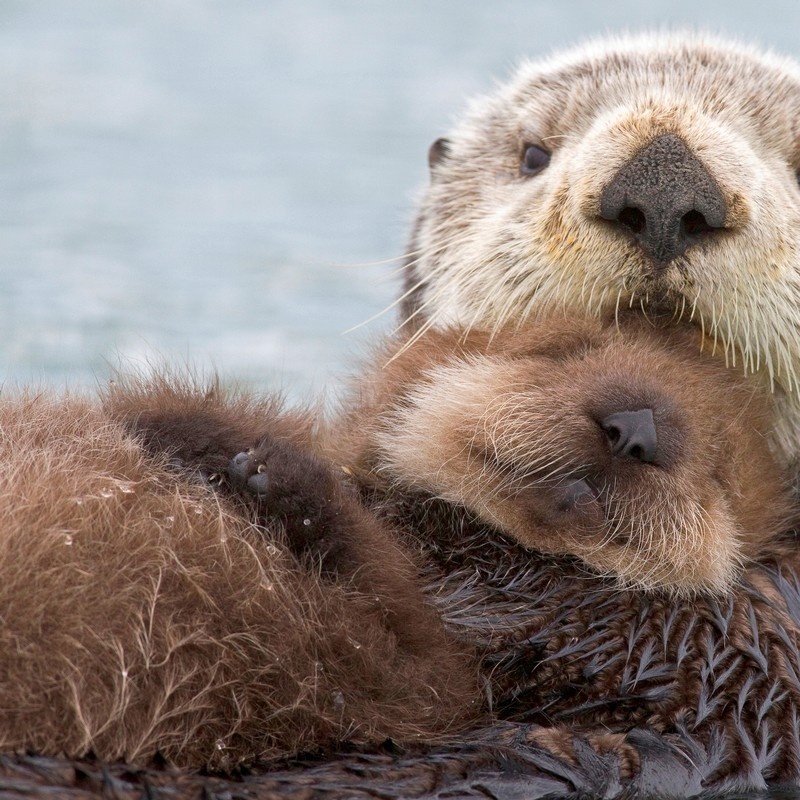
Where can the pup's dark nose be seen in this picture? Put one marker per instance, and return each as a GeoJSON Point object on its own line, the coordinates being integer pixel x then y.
{"type": "Point", "coordinates": [632, 434]}
{"type": "Point", "coordinates": [665, 198]}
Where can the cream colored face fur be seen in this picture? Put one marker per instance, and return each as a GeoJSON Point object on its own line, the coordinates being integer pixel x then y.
{"type": "Point", "coordinates": [493, 246]}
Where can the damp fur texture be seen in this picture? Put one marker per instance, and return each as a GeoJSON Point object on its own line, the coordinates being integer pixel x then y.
{"type": "Point", "coordinates": [576, 667]}
{"type": "Point", "coordinates": [496, 242]}
{"type": "Point", "coordinates": [144, 614]}
{"type": "Point", "coordinates": [511, 428]}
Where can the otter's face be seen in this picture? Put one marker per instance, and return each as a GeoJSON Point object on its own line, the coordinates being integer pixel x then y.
{"type": "Point", "coordinates": [630, 450]}
{"type": "Point", "coordinates": [654, 171]}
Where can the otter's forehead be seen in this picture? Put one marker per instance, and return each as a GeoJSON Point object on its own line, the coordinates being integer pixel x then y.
{"type": "Point", "coordinates": [562, 96]}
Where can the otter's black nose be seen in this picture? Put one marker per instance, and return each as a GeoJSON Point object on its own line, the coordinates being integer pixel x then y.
{"type": "Point", "coordinates": [665, 197]}
{"type": "Point", "coordinates": [632, 434]}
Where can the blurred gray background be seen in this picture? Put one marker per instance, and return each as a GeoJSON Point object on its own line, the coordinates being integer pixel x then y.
{"type": "Point", "coordinates": [221, 182]}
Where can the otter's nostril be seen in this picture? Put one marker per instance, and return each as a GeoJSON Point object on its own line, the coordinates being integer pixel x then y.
{"type": "Point", "coordinates": [613, 434]}
{"type": "Point", "coordinates": [633, 219]}
{"type": "Point", "coordinates": [694, 224]}
{"type": "Point", "coordinates": [632, 434]}
{"type": "Point", "coordinates": [638, 453]}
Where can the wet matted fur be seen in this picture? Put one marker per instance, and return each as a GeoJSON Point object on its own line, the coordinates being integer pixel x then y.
{"type": "Point", "coordinates": [528, 429]}
{"type": "Point", "coordinates": [140, 614]}
{"type": "Point", "coordinates": [720, 678]}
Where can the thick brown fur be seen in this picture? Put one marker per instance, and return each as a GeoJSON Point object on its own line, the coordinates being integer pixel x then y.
{"type": "Point", "coordinates": [510, 427]}
{"type": "Point", "coordinates": [313, 511]}
{"type": "Point", "coordinates": [157, 600]}
{"type": "Point", "coordinates": [143, 613]}
{"type": "Point", "coordinates": [718, 677]}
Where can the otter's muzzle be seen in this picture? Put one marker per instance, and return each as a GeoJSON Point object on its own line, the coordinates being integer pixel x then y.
{"type": "Point", "coordinates": [665, 198]}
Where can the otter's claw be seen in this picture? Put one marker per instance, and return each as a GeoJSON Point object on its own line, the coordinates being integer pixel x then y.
{"type": "Point", "coordinates": [248, 473]}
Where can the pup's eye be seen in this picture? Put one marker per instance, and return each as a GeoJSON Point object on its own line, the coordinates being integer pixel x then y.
{"type": "Point", "coordinates": [534, 160]}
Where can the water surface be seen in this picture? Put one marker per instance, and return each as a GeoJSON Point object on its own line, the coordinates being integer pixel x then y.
{"type": "Point", "coordinates": [200, 179]}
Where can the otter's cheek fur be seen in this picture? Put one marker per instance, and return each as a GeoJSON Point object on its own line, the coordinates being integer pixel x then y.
{"type": "Point", "coordinates": [493, 245]}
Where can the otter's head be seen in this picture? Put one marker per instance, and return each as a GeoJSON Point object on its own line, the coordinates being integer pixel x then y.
{"type": "Point", "coordinates": [654, 171]}
{"type": "Point", "coordinates": [630, 449]}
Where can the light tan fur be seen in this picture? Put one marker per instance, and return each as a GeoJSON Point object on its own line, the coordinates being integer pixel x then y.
{"type": "Point", "coordinates": [493, 246]}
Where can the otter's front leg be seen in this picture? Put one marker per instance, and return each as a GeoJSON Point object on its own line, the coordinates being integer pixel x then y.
{"type": "Point", "coordinates": [261, 458]}
{"type": "Point", "coordinates": [258, 455]}
{"type": "Point", "coordinates": [265, 465]}
{"type": "Point", "coordinates": [328, 529]}
{"type": "Point", "coordinates": [198, 427]}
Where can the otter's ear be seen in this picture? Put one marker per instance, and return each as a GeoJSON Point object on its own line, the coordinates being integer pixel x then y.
{"type": "Point", "coordinates": [438, 152]}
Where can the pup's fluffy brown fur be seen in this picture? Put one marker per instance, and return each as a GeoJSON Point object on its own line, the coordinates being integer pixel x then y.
{"type": "Point", "coordinates": [510, 427]}
{"type": "Point", "coordinates": [145, 611]}
{"type": "Point", "coordinates": [142, 613]}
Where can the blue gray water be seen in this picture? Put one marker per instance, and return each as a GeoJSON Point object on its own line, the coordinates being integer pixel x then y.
{"type": "Point", "coordinates": [203, 180]}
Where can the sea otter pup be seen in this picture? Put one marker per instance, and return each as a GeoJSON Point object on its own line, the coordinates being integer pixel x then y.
{"type": "Point", "coordinates": [625, 448]}
{"type": "Point", "coordinates": [145, 612]}
{"type": "Point", "coordinates": [628, 449]}
{"type": "Point", "coordinates": [654, 171]}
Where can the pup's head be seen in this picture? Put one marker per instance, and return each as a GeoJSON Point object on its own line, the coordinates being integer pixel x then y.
{"type": "Point", "coordinates": [630, 449]}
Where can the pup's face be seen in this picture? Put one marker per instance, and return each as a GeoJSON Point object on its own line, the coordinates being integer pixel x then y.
{"type": "Point", "coordinates": [629, 449]}
{"type": "Point", "coordinates": [659, 171]}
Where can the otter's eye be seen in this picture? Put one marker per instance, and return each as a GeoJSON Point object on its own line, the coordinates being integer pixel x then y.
{"type": "Point", "coordinates": [534, 160]}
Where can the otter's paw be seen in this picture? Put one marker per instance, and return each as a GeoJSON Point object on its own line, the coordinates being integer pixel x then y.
{"type": "Point", "coordinates": [291, 486]}
{"type": "Point", "coordinates": [285, 481]}
{"type": "Point", "coordinates": [249, 473]}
